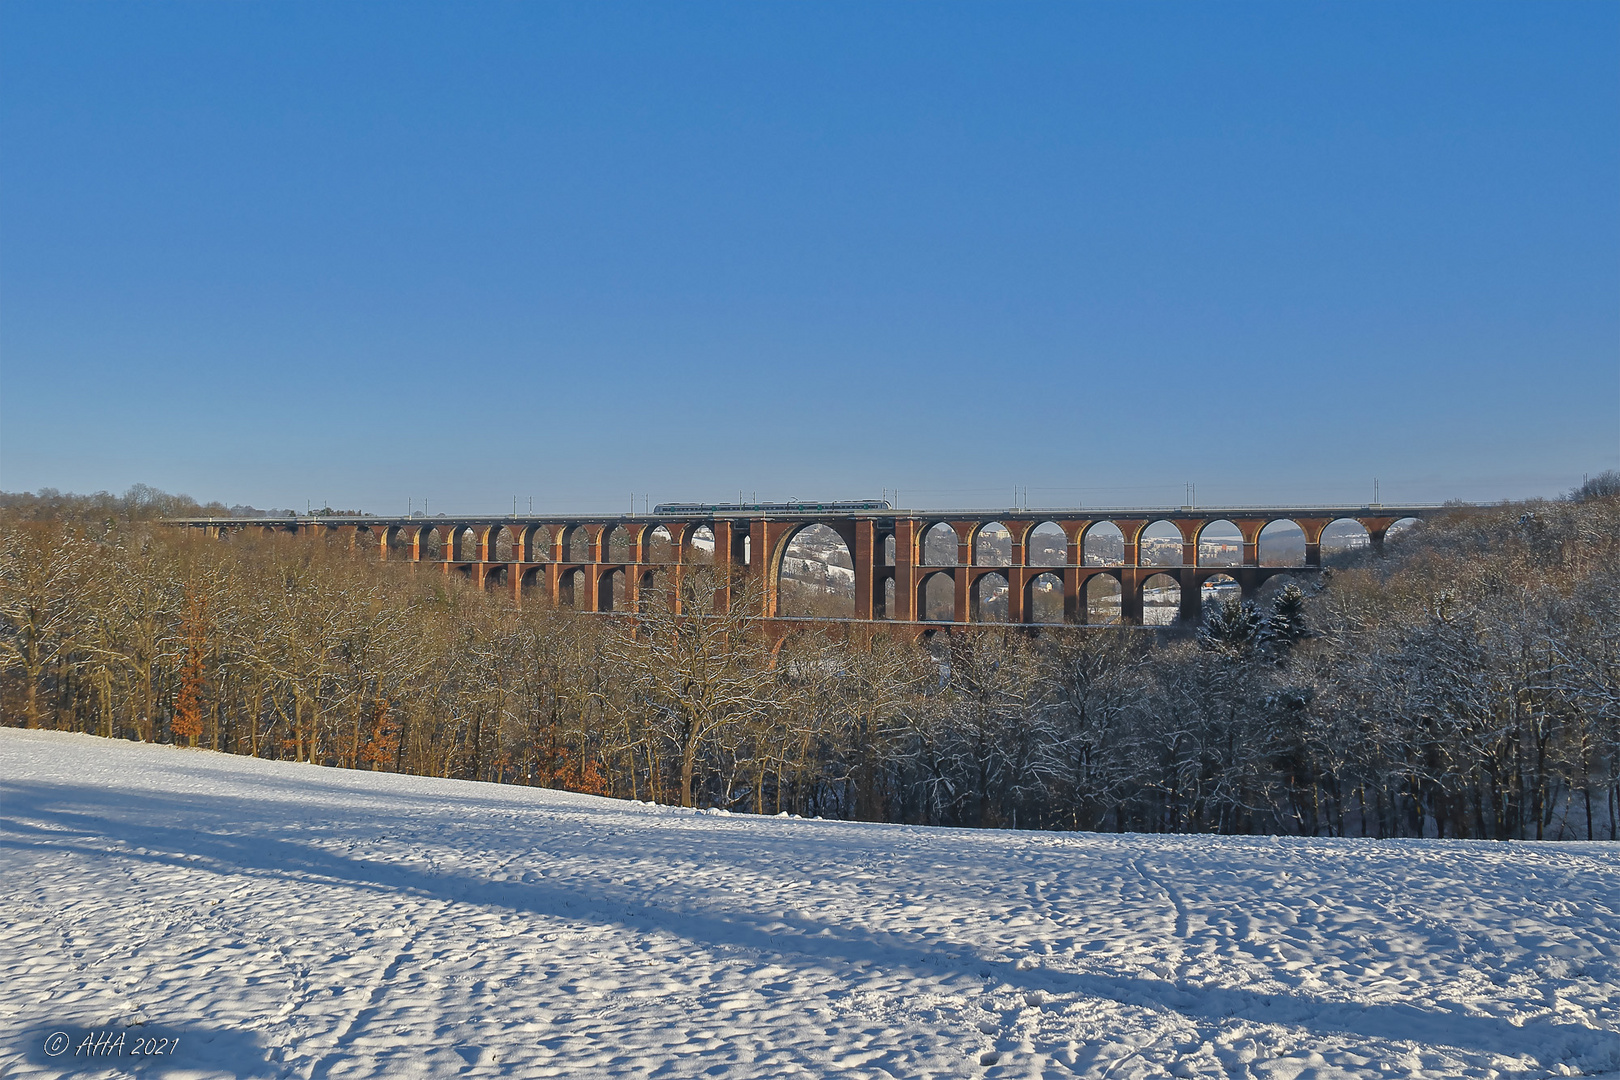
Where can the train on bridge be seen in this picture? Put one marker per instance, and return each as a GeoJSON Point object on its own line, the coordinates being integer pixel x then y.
{"type": "Point", "coordinates": [845, 507]}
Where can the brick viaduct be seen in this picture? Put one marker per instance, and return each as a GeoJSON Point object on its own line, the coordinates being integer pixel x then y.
{"type": "Point", "coordinates": [585, 561]}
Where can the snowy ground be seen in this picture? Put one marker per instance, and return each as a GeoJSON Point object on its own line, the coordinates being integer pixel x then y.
{"type": "Point", "coordinates": [288, 920]}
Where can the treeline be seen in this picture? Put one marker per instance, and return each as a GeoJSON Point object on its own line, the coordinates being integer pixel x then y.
{"type": "Point", "coordinates": [1466, 684]}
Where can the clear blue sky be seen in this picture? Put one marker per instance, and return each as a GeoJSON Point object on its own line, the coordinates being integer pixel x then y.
{"type": "Point", "coordinates": [360, 253]}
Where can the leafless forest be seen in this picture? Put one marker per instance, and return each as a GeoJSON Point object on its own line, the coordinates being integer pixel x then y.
{"type": "Point", "coordinates": [1466, 684]}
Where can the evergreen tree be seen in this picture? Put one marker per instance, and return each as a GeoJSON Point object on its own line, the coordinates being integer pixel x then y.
{"type": "Point", "coordinates": [1286, 626]}
{"type": "Point", "coordinates": [1232, 625]}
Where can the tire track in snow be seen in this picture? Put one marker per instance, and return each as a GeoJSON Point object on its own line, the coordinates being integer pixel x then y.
{"type": "Point", "coordinates": [1182, 918]}
{"type": "Point", "coordinates": [359, 1021]}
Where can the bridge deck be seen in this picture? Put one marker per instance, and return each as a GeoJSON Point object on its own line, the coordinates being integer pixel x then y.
{"type": "Point", "coordinates": [987, 515]}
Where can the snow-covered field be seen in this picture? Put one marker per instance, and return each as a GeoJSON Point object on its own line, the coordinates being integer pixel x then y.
{"type": "Point", "coordinates": [289, 920]}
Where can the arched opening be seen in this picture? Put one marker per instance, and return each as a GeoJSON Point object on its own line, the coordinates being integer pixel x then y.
{"type": "Point", "coordinates": [1403, 530]}
{"type": "Point", "coordinates": [450, 542]}
{"type": "Point", "coordinates": [888, 549]}
{"type": "Point", "coordinates": [612, 596]}
{"type": "Point", "coordinates": [1346, 536]}
{"type": "Point", "coordinates": [532, 581]}
{"type": "Point", "coordinates": [939, 546]}
{"type": "Point", "coordinates": [888, 596]}
{"type": "Point", "coordinates": [538, 544]}
{"type": "Point", "coordinates": [1275, 584]}
{"type": "Point", "coordinates": [571, 588]}
{"type": "Point", "coordinates": [938, 598]}
{"type": "Point", "coordinates": [436, 544]}
{"type": "Point", "coordinates": [1161, 600]}
{"type": "Point", "coordinates": [1160, 545]}
{"type": "Point", "coordinates": [399, 541]}
{"type": "Point", "coordinates": [990, 598]}
{"type": "Point", "coordinates": [1103, 545]}
{"type": "Point", "coordinates": [506, 546]}
{"type": "Point", "coordinates": [817, 576]}
{"type": "Point", "coordinates": [365, 541]}
{"type": "Point", "coordinates": [1218, 589]}
{"type": "Point", "coordinates": [1103, 595]}
{"type": "Point", "coordinates": [1043, 599]}
{"type": "Point", "coordinates": [700, 548]}
{"type": "Point", "coordinates": [1282, 543]}
{"type": "Point", "coordinates": [577, 545]}
{"type": "Point", "coordinates": [667, 591]}
{"type": "Point", "coordinates": [618, 545]}
{"type": "Point", "coordinates": [648, 588]}
{"type": "Point", "coordinates": [1220, 544]}
{"type": "Point", "coordinates": [659, 548]}
{"type": "Point", "coordinates": [1047, 545]}
{"type": "Point", "coordinates": [992, 546]}
{"type": "Point", "coordinates": [495, 579]}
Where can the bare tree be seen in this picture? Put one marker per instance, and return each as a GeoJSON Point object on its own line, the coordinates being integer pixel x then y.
{"type": "Point", "coordinates": [695, 671]}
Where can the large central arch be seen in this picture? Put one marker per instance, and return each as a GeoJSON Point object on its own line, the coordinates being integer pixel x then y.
{"type": "Point", "coordinates": [814, 574]}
